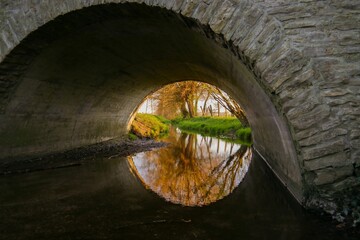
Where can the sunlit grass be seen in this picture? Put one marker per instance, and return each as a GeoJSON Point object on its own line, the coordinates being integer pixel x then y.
{"type": "Point", "coordinates": [215, 126]}
{"type": "Point", "coordinates": [244, 134]}
{"type": "Point", "coordinates": [149, 126]}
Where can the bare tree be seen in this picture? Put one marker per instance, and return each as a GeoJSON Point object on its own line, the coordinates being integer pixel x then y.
{"type": "Point", "coordinates": [182, 98]}
{"type": "Point", "coordinates": [229, 104]}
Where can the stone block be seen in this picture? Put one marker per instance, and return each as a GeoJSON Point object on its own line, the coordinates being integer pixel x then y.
{"type": "Point", "coordinates": [271, 34]}
{"type": "Point", "coordinates": [293, 95]}
{"type": "Point", "coordinates": [299, 80]}
{"type": "Point", "coordinates": [307, 120]}
{"type": "Point", "coordinates": [175, 5]}
{"type": "Point", "coordinates": [301, 23]}
{"type": "Point", "coordinates": [306, 133]}
{"type": "Point", "coordinates": [355, 143]}
{"type": "Point", "coordinates": [334, 160]}
{"type": "Point", "coordinates": [320, 150]}
{"type": "Point", "coordinates": [248, 19]}
{"type": "Point", "coordinates": [286, 73]}
{"type": "Point", "coordinates": [279, 52]}
{"type": "Point", "coordinates": [330, 123]}
{"type": "Point", "coordinates": [330, 175]}
{"type": "Point", "coordinates": [188, 8]}
{"type": "Point", "coordinates": [299, 109]}
{"type": "Point", "coordinates": [199, 13]}
{"type": "Point", "coordinates": [222, 16]}
{"type": "Point", "coordinates": [323, 137]}
{"type": "Point", "coordinates": [232, 25]}
{"type": "Point", "coordinates": [343, 184]}
{"type": "Point", "coordinates": [257, 28]}
{"type": "Point", "coordinates": [335, 92]}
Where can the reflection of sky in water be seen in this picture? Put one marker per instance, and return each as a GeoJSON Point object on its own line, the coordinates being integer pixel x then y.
{"type": "Point", "coordinates": [193, 170]}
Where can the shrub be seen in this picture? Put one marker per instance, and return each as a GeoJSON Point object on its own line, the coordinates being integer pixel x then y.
{"type": "Point", "coordinates": [149, 126]}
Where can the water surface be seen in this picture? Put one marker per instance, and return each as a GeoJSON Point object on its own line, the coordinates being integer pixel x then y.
{"type": "Point", "coordinates": [193, 170]}
{"type": "Point", "coordinates": [104, 200]}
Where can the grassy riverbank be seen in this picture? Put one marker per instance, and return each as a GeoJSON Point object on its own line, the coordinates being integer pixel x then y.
{"type": "Point", "coordinates": [148, 126]}
{"type": "Point", "coordinates": [153, 126]}
{"type": "Point", "coordinates": [215, 126]}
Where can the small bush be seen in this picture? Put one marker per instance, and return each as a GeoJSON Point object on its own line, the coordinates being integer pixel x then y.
{"type": "Point", "coordinates": [149, 126]}
{"type": "Point", "coordinates": [132, 137]}
{"type": "Point", "coordinates": [244, 134]}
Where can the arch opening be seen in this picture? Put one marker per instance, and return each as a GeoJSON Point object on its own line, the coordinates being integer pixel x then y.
{"type": "Point", "coordinates": [207, 152]}
{"type": "Point", "coordinates": [85, 72]}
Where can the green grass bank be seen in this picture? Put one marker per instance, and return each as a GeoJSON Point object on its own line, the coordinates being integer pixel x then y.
{"type": "Point", "coordinates": [228, 127]}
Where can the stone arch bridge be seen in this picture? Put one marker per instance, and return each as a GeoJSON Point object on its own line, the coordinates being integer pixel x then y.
{"type": "Point", "coordinates": [72, 73]}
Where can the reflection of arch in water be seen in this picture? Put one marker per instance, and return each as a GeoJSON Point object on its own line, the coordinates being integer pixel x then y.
{"type": "Point", "coordinates": [192, 179]}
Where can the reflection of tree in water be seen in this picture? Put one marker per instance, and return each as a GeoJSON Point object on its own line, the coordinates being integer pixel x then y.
{"type": "Point", "coordinates": [194, 170]}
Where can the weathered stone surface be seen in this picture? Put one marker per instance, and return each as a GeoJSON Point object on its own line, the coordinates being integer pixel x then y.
{"type": "Point", "coordinates": [323, 137]}
{"type": "Point", "coordinates": [330, 175]}
{"type": "Point", "coordinates": [249, 17]}
{"type": "Point", "coordinates": [232, 24]}
{"type": "Point", "coordinates": [344, 184]}
{"type": "Point", "coordinates": [311, 118]}
{"type": "Point", "coordinates": [222, 15]}
{"type": "Point", "coordinates": [334, 160]}
{"type": "Point", "coordinates": [355, 143]}
{"type": "Point", "coordinates": [296, 97]}
{"type": "Point", "coordinates": [266, 40]}
{"type": "Point", "coordinates": [333, 146]}
{"type": "Point", "coordinates": [356, 157]}
{"type": "Point", "coordinates": [307, 133]}
{"type": "Point", "coordinates": [335, 92]}
{"type": "Point", "coordinates": [297, 111]}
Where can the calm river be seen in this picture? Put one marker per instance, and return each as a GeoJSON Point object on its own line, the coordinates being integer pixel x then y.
{"type": "Point", "coordinates": [195, 188]}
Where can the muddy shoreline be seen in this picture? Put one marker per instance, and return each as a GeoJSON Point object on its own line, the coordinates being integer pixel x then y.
{"type": "Point", "coordinates": [78, 156]}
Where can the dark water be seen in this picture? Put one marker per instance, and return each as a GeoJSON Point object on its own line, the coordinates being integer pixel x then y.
{"type": "Point", "coordinates": [104, 200]}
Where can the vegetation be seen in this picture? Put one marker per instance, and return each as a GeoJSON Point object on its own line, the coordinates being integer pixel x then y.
{"type": "Point", "coordinates": [190, 99]}
{"type": "Point", "coordinates": [178, 99]}
{"type": "Point", "coordinates": [244, 134]}
{"type": "Point", "coordinates": [132, 136]}
{"type": "Point", "coordinates": [148, 126]}
{"type": "Point", "coordinates": [184, 103]}
{"type": "Point", "coordinates": [215, 126]}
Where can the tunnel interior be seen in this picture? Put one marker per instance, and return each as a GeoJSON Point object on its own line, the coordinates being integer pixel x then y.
{"type": "Point", "coordinates": [83, 75]}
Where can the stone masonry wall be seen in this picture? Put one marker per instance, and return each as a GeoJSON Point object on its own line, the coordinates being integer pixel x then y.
{"type": "Point", "coordinates": [327, 128]}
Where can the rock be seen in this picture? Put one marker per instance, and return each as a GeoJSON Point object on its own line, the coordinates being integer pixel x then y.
{"type": "Point", "coordinates": [333, 160]}
{"type": "Point", "coordinates": [330, 175]}
{"type": "Point", "coordinates": [336, 145]}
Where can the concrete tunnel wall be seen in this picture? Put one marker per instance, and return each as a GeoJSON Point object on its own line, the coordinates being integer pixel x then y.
{"type": "Point", "coordinates": [77, 79]}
